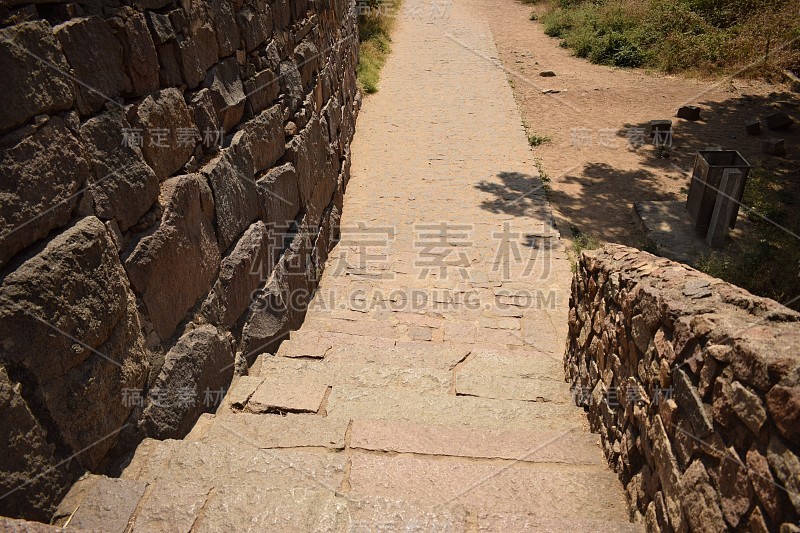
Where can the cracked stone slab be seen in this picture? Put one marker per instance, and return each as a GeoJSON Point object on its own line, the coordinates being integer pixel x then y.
{"type": "Point", "coordinates": [549, 491]}
{"type": "Point", "coordinates": [573, 447]}
{"type": "Point", "coordinates": [489, 522]}
{"type": "Point", "coordinates": [171, 506]}
{"type": "Point", "coordinates": [277, 431]}
{"type": "Point", "coordinates": [242, 390]}
{"type": "Point", "coordinates": [513, 377]}
{"type": "Point", "coordinates": [464, 411]}
{"type": "Point", "coordinates": [305, 346]}
{"type": "Point", "coordinates": [407, 355]}
{"type": "Point", "coordinates": [108, 505]}
{"type": "Point", "coordinates": [358, 374]}
{"type": "Point", "coordinates": [287, 396]}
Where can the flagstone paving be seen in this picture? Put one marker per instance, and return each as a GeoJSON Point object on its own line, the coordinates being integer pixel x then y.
{"type": "Point", "coordinates": [425, 389]}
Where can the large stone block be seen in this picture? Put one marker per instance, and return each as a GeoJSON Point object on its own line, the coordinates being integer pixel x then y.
{"type": "Point", "coordinates": [230, 175]}
{"type": "Point", "coordinates": [200, 363]}
{"type": "Point", "coordinates": [40, 178]}
{"type": "Point", "coordinates": [261, 90]}
{"type": "Point", "coordinates": [69, 324]}
{"type": "Point", "coordinates": [280, 198]}
{"type": "Point", "coordinates": [172, 267]}
{"type": "Point", "coordinates": [227, 32]}
{"type": "Point", "coordinates": [265, 136]}
{"type": "Point", "coordinates": [123, 187]}
{"type": "Point", "coordinates": [196, 54]}
{"type": "Point", "coordinates": [139, 54]}
{"type": "Point", "coordinates": [168, 132]}
{"type": "Point", "coordinates": [255, 24]}
{"type": "Point", "coordinates": [26, 455]}
{"type": "Point", "coordinates": [31, 86]}
{"type": "Point", "coordinates": [316, 166]}
{"type": "Point", "coordinates": [227, 92]}
{"type": "Point", "coordinates": [96, 59]}
{"type": "Point", "coordinates": [245, 269]}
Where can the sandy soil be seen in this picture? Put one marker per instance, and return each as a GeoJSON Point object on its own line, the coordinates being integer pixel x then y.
{"type": "Point", "coordinates": [596, 173]}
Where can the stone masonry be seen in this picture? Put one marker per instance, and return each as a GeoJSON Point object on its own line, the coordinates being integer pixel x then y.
{"type": "Point", "coordinates": [694, 387]}
{"type": "Point", "coordinates": [164, 166]}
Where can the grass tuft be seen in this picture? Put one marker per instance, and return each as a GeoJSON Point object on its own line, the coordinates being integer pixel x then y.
{"type": "Point", "coordinates": [375, 26]}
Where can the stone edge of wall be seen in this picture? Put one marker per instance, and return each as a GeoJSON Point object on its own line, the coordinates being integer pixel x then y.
{"type": "Point", "coordinates": [694, 387]}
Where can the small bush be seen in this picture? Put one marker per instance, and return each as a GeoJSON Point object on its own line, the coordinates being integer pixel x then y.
{"type": "Point", "coordinates": [374, 29]}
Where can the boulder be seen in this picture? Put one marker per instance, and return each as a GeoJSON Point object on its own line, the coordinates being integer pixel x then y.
{"type": "Point", "coordinates": [172, 267]}
{"type": "Point", "coordinates": [31, 87]}
{"type": "Point", "coordinates": [139, 54]}
{"type": "Point", "coordinates": [39, 183]}
{"type": "Point", "coordinates": [123, 186]}
{"type": "Point", "coordinates": [168, 132]}
{"type": "Point", "coordinates": [69, 323]}
{"type": "Point", "coordinates": [96, 59]}
{"type": "Point", "coordinates": [689, 112]}
{"type": "Point", "coordinates": [199, 364]}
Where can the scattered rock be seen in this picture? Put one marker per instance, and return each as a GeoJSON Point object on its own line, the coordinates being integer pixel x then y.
{"type": "Point", "coordinates": [753, 127]}
{"type": "Point", "coordinates": [778, 120]}
{"type": "Point", "coordinates": [774, 147]}
{"type": "Point", "coordinates": [547, 74]}
{"type": "Point", "coordinates": [689, 112]}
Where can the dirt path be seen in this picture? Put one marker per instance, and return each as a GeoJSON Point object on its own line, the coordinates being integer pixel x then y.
{"type": "Point", "coordinates": [596, 174]}
{"type": "Point", "coordinates": [425, 389]}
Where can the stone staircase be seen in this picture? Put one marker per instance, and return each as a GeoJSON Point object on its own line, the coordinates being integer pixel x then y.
{"type": "Point", "coordinates": [352, 426]}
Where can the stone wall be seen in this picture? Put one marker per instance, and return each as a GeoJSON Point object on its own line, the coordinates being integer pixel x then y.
{"type": "Point", "coordinates": [169, 171]}
{"type": "Point", "coordinates": [694, 387]}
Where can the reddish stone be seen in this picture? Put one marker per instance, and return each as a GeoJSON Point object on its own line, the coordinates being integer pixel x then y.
{"type": "Point", "coordinates": [783, 404]}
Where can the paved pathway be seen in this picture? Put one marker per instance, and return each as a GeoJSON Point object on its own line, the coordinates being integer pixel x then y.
{"type": "Point", "coordinates": [425, 390]}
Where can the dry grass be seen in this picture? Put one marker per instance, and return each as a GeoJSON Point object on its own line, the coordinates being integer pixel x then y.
{"type": "Point", "coordinates": [375, 24]}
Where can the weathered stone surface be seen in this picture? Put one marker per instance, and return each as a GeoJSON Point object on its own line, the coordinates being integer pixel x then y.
{"type": "Point", "coordinates": [735, 490]}
{"type": "Point", "coordinates": [689, 401]}
{"type": "Point", "coordinates": [520, 445]}
{"type": "Point", "coordinates": [205, 118]}
{"type": "Point", "coordinates": [786, 465]}
{"type": "Point", "coordinates": [227, 31]}
{"type": "Point", "coordinates": [39, 179]}
{"type": "Point", "coordinates": [246, 268]}
{"type": "Point", "coordinates": [264, 134]}
{"type": "Point", "coordinates": [69, 321]}
{"type": "Point", "coordinates": [169, 71]}
{"type": "Point", "coordinates": [314, 162]}
{"type": "Point", "coordinates": [262, 90]}
{"type": "Point", "coordinates": [201, 360]}
{"type": "Point", "coordinates": [139, 54]}
{"type": "Point", "coordinates": [196, 54]}
{"type": "Point", "coordinates": [160, 27]}
{"type": "Point", "coordinates": [177, 263]}
{"type": "Point", "coordinates": [95, 56]}
{"type": "Point", "coordinates": [171, 506]}
{"type": "Point", "coordinates": [123, 187]}
{"type": "Point", "coordinates": [230, 176]}
{"type": "Point", "coordinates": [32, 87]}
{"type": "Point", "coordinates": [227, 92]}
{"type": "Point", "coordinates": [273, 396]}
{"type": "Point", "coordinates": [290, 85]}
{"type": "Point", "coordinates": [255, 24]}
{"type": "Point", "coordinates": [241, 390]}
{"type": "Point", "coordinates": [281, 431]}
{"type": "Point", "coordinates": [492, 489]}
{"type": "Point", "coordinates": [699, 500]}
{"type": "Point", "coordinates": [27, 454]}
{"type": "Point", "coordinates": [764, 484]}
{"type": "Point", "coordinates": [108, 505]}
{"type": "Point", "coordinates": [748, 407]}
{"type": "Point", "coordinates": [280, 197]}
{"type": "Point", "coordinates": [168, 133]}
{"type": "Point", "coordinates": [784, 408]}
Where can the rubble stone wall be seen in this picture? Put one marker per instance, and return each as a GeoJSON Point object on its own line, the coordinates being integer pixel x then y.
{"type": "Point", "coordinates": [694, 387]}
{"type": "Point", "coordinates": [170, 171]}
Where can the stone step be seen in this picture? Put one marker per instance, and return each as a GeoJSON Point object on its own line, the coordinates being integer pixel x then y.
{"type": "Point", "coordinates": [355, 403]}
{"type": "Point", "coordinates": [563, 447]}
{"type": "Point", "coordinates": [100, 503]}
{"type": "Point", "coordinates": [546, 491]}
